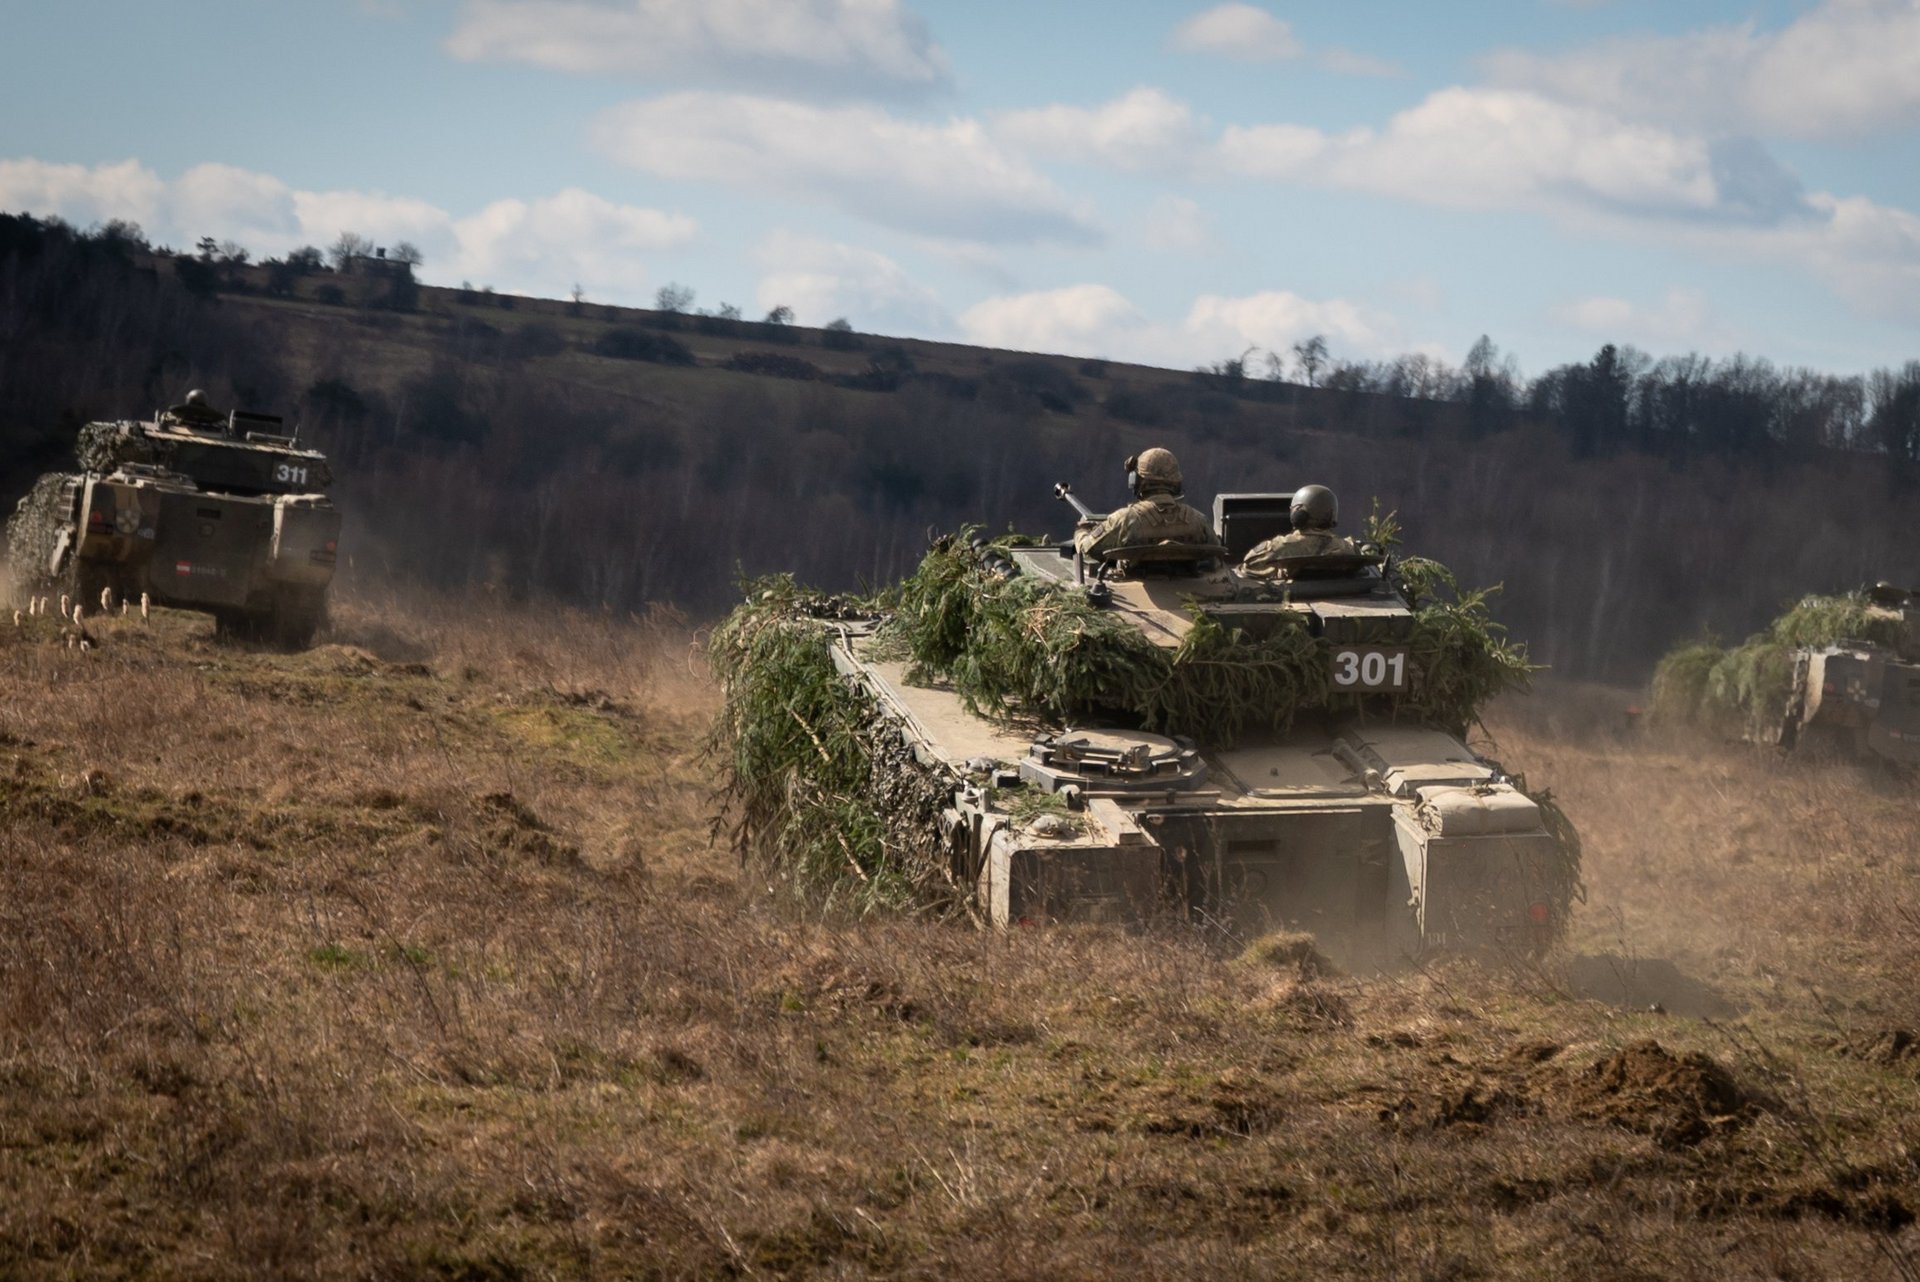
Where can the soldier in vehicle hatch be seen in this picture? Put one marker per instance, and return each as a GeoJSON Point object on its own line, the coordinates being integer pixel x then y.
{"type": "Point", "coordinates": [1314, 513]}
{"type": "Point", "coordinates": [1155, 516]}
{"type": "Point", "coordinates": [194, 412]}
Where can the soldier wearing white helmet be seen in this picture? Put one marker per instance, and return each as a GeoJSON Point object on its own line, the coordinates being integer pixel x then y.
{"type": "Point", "coordinates": [1155, 516]}
{"type": "Point", "coordinates": [1314, 513]}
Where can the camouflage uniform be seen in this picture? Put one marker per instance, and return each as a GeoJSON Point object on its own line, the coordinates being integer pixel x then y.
{"type": "Point", "coordinates": [1270, 557]}
{"type": "Point", "coordinates": [1156, 518]}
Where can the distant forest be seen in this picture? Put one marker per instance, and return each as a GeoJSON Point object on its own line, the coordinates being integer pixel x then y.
{"type": "Point", "coordinates": [624, 458]}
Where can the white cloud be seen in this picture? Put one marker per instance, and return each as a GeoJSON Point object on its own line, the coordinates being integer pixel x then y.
{"type": "Point", "coordinates": [542, 246]}
{"type": "Point", "coordinates": [834, 48]}
{"type": "Point", "coordinates": [1271, 151]}
{"type": "Point", "coordinates": [255, 210]}
{"type": "Point", "coordinates": [946, 180]}
{"type": "Point", "coordinates": [1145, 128]}
{"type": "Point", "coordinates": [1097, 320]}
{"type": "Point", "coordinates": [1846, 67]}
{"type": "Point", "coordinates": [822, 280]}
{"type": "Point", "coordinates": [1491, 149]}
{"type": "Point", "coordinates": [1242, 32]}
{"type": "Point", "coordinates": [127, 190]}
{"type": "Point", "coordinates": [1276, 319]}
{"type": "Point", "coordinates": [1682, 318]}
{"type": "Point", "coordinates": [323, 215]}
{"type": "Point", "coordinates": [1079, 320]}
{"type": "Point", "coordinates": [571, 236]}
{"type": "Point", "coordinates": [1508, 149]}
{"type": "Point", "coordinates": [1247, 33]}
{"type": "Point", "coordinates": [1177, 224]}
{"type": "Point", "coordinates": [1868, 253]}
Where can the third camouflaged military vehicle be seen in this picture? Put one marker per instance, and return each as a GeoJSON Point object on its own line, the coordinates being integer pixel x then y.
{"type": "Point", "coordinates": [1840, 670]}
{"type": "Point", "coordinates": [222, 513]}
{"type": "Point", "coordinates": [1176, 737]}
{"type": "Point", "coordinates": [1863, 692]}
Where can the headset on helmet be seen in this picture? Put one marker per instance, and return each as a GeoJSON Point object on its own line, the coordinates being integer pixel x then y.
{"type": "Point", "coordinates": [1314, 508]}
{"type": "Point", "coordinates": [1153, 471]}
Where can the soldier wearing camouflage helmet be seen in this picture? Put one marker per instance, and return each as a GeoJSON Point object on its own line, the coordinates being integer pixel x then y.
{"type": "Point", "coordinates": [1155, 516]}
{"type": "Point", "coordinates": [1314, 513]}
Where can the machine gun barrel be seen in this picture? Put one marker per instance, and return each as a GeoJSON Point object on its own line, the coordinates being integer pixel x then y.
{"type": "Point", "coordinates": [1065, 494]}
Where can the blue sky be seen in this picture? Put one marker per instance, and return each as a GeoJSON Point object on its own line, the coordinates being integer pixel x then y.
{"type": "Point", "coordinates": [1165, 182]}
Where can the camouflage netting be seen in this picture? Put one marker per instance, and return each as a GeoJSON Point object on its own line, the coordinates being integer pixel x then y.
{"type": "Point", "coordinates": [34, 528]}
{"type": "Point", "coordinates": [101, 447]}
{"type": "Point", "coordinates": [824, 795]}
{"type": "Point", "coordinates": [1745, 690]}
{"type": "Point", "coordinates": [821, 789]}
{"type": "Point", "coordinates": [1022, 643]}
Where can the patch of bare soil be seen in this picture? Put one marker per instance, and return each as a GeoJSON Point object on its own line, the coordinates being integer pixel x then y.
{"type": "Point", "coordinates": [1677, 1099]}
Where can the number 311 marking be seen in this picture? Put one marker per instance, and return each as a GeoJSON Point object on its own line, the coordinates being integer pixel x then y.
{"type": "Point", "coordinates": [1370, 669]}
{"type": "Point", "coordinates": [290, 474]}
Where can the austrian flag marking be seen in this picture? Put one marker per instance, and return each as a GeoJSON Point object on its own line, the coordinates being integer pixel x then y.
{"type": "Point", "coordinates": [183, 567]}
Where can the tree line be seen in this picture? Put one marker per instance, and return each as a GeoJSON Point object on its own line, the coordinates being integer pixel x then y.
{"type": "Point", "coordinates": [1625, 502]}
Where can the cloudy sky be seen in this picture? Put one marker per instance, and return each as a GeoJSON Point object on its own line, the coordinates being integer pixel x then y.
{"type": "Point", "coordinates": [1140, 179]}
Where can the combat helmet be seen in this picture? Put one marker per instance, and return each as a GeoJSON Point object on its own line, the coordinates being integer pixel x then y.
{"type": "Point", "coordinates": [1154, 471]}
{"type": "Point", "coordinates": [1314, 508]}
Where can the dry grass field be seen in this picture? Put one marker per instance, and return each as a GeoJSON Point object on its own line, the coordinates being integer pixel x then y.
{"type": "Point", "coordinates": [411, 955]}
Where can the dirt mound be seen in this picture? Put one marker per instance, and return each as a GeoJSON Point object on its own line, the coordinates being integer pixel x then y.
{"type": "Point", "coordinates": [509, 826]}
{"type": "Point", "coordinates": [1289, 950]}
{"type": "Point", "coordinates": [1677, 1099]}
{"type": "Point", "coordinates": [1896, 1048]}
{"type": "Point", "coordinates": [1235, 1102]}
{"type": "Point", "coordinates": [1471, 1105]}
{"type": "Point", "coordinates": [1308, 1005]}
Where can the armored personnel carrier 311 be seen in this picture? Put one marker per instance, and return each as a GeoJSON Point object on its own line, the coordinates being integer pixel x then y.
{"type": "Point", "coordinates": [196, 509]}
{"type": "Point", "coordinates": [1093, 742]}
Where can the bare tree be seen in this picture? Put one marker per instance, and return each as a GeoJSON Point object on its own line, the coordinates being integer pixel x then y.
{"type": "Point", "coordinates": [673, 297]}
{"type": "Point", "coordinates": [124, 232]}
{"type": "Point", "coordinates": [1311, 355]}
{"type": "Point", "coordinates": [780, 315]}
{"type": "Point", "coordinates": [405, 251]}
{"type": "Point", "coordinates": [347, 247]}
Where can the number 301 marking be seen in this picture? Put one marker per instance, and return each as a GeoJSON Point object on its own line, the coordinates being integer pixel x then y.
{"type": "Point", "coordinates": [1370, 669]}
{"type": "Point", "coordinates": [290, 474]}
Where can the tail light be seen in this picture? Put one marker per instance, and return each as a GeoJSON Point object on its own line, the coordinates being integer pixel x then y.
{"type": "Point", "coordinates": [1538, 913]}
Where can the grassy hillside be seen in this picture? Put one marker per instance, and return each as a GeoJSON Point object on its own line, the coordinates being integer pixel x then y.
{"type": "Point", "coordinates": [412, 956]}
{"type": "Point", "coordinates": [619, 458]}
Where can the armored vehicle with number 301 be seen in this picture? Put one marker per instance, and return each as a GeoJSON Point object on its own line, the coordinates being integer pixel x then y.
{"type": "Point", "coordinates": [1156, 731]}
{"type": "Point", "coordinates": [223, 513]}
